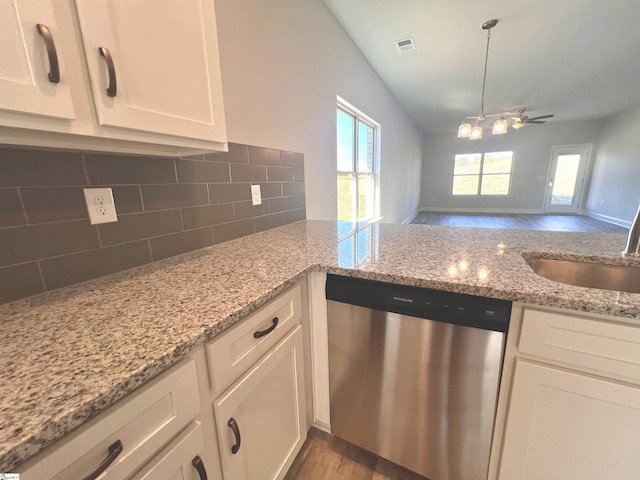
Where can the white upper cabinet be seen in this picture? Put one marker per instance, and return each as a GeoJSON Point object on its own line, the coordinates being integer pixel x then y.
{"type": "Point", "coordinates": [153, 72]}
{"type": "Point", "coordinates": [32, 69]}
{"type": "Point", "coordinates": [135, 76]}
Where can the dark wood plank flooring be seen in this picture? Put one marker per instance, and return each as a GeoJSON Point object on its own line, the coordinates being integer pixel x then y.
{"type": "Point", "coordinates": [325, 457]}
{"type": "Point", "coordinates": [561, 223]}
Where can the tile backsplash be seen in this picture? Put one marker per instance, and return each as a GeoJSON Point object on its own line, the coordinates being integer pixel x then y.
{"type": "Point", "coordinates": [165, 206]}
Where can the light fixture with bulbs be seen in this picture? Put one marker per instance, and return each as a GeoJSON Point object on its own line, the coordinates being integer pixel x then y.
{"type": "Point", "coordinates": [501, 125]}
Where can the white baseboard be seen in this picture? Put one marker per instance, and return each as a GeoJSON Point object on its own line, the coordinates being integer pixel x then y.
{"type": "Point", "coordinates": [481, 210]}
{"type": "Point", "coordinates": [607, 218]}
{"type": "Point", "coordinates": [410, 218]}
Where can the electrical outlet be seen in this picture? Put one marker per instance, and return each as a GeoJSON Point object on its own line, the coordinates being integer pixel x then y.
{"type": "Point", "coordinates": [256, 196]}
{"type": "Point", "coordinates": [100, 205]}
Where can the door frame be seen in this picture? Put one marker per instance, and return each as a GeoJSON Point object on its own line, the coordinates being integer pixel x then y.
{"type": "Point", "coordinates": [580, 191]}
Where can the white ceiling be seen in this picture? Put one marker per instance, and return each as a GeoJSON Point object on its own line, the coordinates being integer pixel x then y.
{"type": "Point", "coordinates": [573, 58]}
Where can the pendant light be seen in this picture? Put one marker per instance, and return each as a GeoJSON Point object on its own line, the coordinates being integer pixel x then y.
{"type": "Point", "coordinates": [500, 126]}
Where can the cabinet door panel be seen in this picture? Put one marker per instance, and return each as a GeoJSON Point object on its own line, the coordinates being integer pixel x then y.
{"type": "Point", "coordinates": [570, 426]}
{"type": "Point", "coordinates": [267, 404]}
{"type": "Point", "coordinates": [162, 53]}
{"type": "Point", "coordinates": [24, 65]}
{"type": "Point", "coordinates": [175, 461]}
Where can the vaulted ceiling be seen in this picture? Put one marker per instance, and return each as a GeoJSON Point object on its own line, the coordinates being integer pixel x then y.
{"type": "Point", "coordinates": [577, 59]}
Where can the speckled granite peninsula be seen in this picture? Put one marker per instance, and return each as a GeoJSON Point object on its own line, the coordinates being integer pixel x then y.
{"type": "Point", "coordinates": [69, 354]}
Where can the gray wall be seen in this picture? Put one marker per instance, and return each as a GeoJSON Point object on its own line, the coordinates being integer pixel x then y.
{"type": "Point", "coordinates": [614, 191]}
{"type": "Point", "coordinates": [532, 155]}
{"type": "Point", "coordinates": [283, 63]}
{"type": "Point", "coordinates": [165, 207]}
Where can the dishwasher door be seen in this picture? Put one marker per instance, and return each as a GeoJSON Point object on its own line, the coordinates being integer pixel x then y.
{"type": "Point", "coordinates": [417, 392]}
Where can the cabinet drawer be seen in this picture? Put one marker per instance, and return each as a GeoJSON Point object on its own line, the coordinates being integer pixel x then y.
{"type": "Point", "coordinates": [235, 351]}
{"type": "Point", "coordinates": [176, 461]}
{"type": "Point", "coordinates": [143, 422]}
{"type": "Point", "coordinates": [600, 347]}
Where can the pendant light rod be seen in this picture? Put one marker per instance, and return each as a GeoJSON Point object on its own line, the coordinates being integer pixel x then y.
{"type": "Point", "coordinates": [488, 25]}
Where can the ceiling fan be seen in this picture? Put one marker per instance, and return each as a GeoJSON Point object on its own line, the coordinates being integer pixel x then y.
{"type": "Point", "coordinates": [521, 120]}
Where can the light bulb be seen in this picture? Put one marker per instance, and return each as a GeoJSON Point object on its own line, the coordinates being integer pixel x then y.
{"type": "Point", "coordinates": [464, 130]}
{"type": "Point", "coordinates": [499, 126]}
{"type": "Point", "coordinates": [476, 132]}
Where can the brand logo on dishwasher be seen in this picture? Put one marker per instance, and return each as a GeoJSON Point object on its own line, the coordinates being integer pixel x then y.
{"type": "Point", "coordinates": [402, 299]}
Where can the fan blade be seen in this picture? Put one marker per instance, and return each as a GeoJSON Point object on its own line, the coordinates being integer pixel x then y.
{"type": "Point", "coordinates": [536, 122]}
{"type": "Point", "coordinates": [540, 117]}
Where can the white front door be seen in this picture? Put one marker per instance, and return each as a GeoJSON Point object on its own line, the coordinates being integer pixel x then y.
{"type": "Point", "coordinates": [566, 178]}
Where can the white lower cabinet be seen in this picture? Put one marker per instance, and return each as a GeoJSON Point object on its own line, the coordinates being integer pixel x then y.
{"type": "Point", "coordinates": [261, 419]}
{"type": "Point", "coordinates": [119, 441]}
{"type": "Point", "coordinates": [181, 460]}
{"type": "Point", "coordinates": [568, 421]}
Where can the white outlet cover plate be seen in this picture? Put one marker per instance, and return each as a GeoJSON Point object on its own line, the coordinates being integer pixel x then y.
{"type": "Point", "coordinates": [256, 196]}
{"type": "Point", "coordinates": [100, 205]}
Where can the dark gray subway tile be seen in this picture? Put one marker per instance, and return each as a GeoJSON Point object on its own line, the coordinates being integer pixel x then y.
{"type": "Point", "coordinates": [270, 190]}
{"type": "Point", "coordinates": [281, 204]}
{"type": "Point", "coordinates": [292, 188]}
{"type": "Point", "coordinates": [300, 201]}
{"type": "Point", "coordinates": [229, 192]}
{"type": "Point", "coordinates": [237, 154]}
{"type": "Point", "coordinates": [194, 217]}
{"type": "Point", "coordinates": [39, 168]}
{"type": "Point", "coordinates": [275, 174]}
{"type": "Point", "coordinates": [292, 159]}
{"type": "Point", "coordinates": [20, 281]}
{"type": "Point", "coordinates": [160, 197]}
{"type": "Point", "coordinates": [54, 204]}
{"type": "Point", "coordinates": [298, 174]}
{"type": "Point", "coordinates": [78, 267]}
{"type": "Point", "coordinates": [11, 213]}
{"type": "Point", "coordinates": [177, 243]}
{"type": "Point", "coordinates": [140, 225]}
{"type": "Point", "coordinates": [229, 231]}
{"type": "Point", "coordinates": [202, 172]}
{"type": "Point", "coordinates": [127, 199]}
{"type": "Point", "coordinates": [31, 242]}
{"type": "Point", "coordinates": [267, 222]}
{"type": "Point", "coordinates": [247, 210]}
{"type": "Point", "coordinates": [264, 156]}
{"type": "Point", "coordinates": [295, 215]}
{"type": "Point", "coordinates": [248, 173]}
{"type": "Point", "coordinates": [104, 169]}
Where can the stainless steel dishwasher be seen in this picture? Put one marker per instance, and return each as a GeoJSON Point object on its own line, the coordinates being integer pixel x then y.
{"type": "Point", "coordinates": [414, 374]}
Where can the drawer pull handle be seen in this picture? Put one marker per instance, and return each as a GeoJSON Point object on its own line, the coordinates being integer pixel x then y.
{"type": "Point", "coordinates": [54, 69]}
{"type": "Point", "coordinates": [236, 433]}
{"type": "Point", "coordinates": [114, 450]}
{"type": "Point", "coordinates": [112, 89]}
{"type": "Point", "coordinates": [268, 330]}
{"type": "Point", "coordinates": [197, 462]}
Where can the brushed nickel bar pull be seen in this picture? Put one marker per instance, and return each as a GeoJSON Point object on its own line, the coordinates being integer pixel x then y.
{"type": "Point", "coordinates": [114, 450]}
{"type": "Point", "coordinates": [54, 68]}
{"type": "Point", "coordinates": [236, 433]}
{"type": "Point", "coordinates": [112, 90]}
{"type": "Point", "coordinates": [199, 466]}
{"type": "Point", "coordinates": [268, 330]}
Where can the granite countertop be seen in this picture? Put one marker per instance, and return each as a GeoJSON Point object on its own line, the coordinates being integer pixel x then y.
{"type": "Point", "coordinates": [69, 354]}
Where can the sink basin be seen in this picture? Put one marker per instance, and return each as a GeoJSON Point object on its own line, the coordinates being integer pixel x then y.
{"type": "Point", "coordinates": [621, 278]}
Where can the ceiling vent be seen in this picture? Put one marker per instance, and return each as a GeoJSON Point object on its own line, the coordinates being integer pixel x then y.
{"type": "Point", "coordinates": [406, 45]}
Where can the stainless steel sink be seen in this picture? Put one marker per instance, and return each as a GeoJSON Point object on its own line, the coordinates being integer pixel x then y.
{"type": "Point", "coordinates": [619, 278]}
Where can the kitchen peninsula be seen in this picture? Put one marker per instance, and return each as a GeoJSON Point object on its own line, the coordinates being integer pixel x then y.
{"type": "Point", "coordinates": [71, 353]}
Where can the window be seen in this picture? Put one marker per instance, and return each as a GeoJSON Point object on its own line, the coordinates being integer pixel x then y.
{"type": "Point", "coordinates": [358, 184]}
{"type": "Point", "coordinates": [482, 173]}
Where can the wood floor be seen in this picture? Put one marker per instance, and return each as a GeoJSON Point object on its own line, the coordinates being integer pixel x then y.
{"type": "Point", "coordinates": [325, 457]}
{"type": "Point", "coordinates": [561, 223]}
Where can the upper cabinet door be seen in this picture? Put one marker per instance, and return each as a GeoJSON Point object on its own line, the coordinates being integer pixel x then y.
{"type": "Point", "coordinates": [32, 74]}
{"type": "Point", "coordinates": [154, 65]}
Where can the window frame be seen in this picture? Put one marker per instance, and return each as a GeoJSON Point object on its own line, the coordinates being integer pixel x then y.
{"type": "Point", "coordinates": [481, 175]}
{"type": "Point", "coordinates": [359, 116]}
